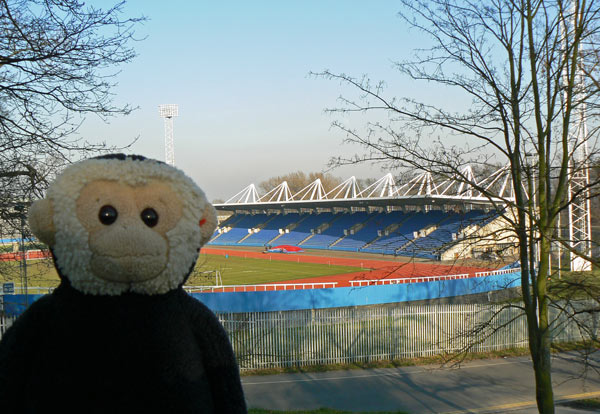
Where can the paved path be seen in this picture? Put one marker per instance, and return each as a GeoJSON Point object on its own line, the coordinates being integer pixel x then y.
{"type": "Point", "coordinates": [485, 386]}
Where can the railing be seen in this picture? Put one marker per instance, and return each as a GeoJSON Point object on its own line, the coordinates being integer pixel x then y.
{"type": "Point", "coordinates": [346, 335]}
{"type": "Point", "coordinates": [421, 279]}
{"type": "Point", "coordinates": [498, 272]}
{"type": "Point", "coordinates": [37, 290]}
{"type": "Point", "coordinates": [33, 290]}
{"type": "Point", "coordinates": [418, 279]}
{"type": "Point", "coordinates": [260, 288]}
{"type": "Point", "coordinates": [299, 286]}
{"type": "Point", "coordinates": [5, 323]}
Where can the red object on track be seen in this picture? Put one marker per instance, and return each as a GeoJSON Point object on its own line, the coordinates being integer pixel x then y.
{"type": "Point", "coordinates": [289, 248]}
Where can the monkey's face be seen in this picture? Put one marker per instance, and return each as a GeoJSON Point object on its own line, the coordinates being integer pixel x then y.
{"type": "Point", "coordinates": [127, 228]}
{"type": "Point", "coordinates": [119, 225]}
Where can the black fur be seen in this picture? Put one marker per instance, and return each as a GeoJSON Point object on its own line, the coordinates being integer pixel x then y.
{"type": "Point", "coordinates": [126, 157]}
{"type": "Point", "coordinates": [72, 352]}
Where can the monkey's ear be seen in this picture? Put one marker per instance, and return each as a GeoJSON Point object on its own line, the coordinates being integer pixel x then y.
{"type": "Point", "coordinates": [41, 221]}
{"type": "Point", "coordinates": [208, 223]}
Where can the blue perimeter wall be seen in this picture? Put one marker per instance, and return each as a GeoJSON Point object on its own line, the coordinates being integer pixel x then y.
{"type": "Point", "coordinates": [284, 300]}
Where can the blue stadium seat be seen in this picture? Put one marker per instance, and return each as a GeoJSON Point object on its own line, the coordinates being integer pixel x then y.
{"type": "Point", "coordinates": [307, 223]}
{"type": "Point", "coordinates": [271, 229]}
{"type": "Point", "coordinates": [357, 231]}
{"type": "Point", "coordinates": [240, 224]}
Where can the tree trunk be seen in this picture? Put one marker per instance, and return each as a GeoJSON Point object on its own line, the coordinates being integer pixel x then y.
{"type": "Point", "coordinates": [539, 336]}
{"type": "Point", "coordinates": [544, 394]}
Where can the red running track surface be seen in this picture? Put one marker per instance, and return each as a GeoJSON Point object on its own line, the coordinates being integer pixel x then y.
{"type": "Point", "coordinates": [374, 269]}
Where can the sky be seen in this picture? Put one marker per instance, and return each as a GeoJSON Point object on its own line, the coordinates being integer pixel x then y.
{"type": "Point", "coordinates": [239, 71]}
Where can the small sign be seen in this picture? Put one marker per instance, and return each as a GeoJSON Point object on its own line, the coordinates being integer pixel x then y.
{"type": "Point", "coordinates": [8, 288]}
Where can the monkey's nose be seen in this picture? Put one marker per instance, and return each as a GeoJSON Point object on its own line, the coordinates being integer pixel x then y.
{"type": "Point", "coordinates": [127, 223]}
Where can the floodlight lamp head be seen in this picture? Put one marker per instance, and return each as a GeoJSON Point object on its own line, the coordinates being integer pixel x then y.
{"type": "Point", "coordinates": [168, 110]}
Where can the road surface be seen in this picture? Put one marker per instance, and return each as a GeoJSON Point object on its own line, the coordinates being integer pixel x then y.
{"type": "Point", "coordinates": [483, 386]}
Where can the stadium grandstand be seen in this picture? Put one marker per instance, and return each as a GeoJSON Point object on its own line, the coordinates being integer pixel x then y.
{"type": "Point", "coordinates": [425, 218]}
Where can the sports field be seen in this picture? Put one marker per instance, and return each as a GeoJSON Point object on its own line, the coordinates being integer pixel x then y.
{"type": "Point", "coordinates": [366, 266]}
{"type": "Point", "coordinates": [250, 267]}
{"type": "Point", "coordinates": [235, 270]}
{"type": "Point", "coordinates": [40, 273]}
{"type": "Point", "coordinates": [240, 270]}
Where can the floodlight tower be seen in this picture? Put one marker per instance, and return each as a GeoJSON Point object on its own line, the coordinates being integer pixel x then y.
{"type": "Point", "coordinates": [580, 224]}
{"type": "Point", "coordinates": [168, 112]}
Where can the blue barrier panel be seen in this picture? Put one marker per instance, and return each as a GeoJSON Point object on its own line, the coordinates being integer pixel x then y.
{"type": "Point", "coordinates": [283, 300]}
{"type": "Point", "coordinates": [15, 305]}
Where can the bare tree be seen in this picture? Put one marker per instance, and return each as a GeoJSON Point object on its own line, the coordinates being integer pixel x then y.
{"type": "Point", "coordinates": [58, 60]}
{"type": "Point", "coordinates": [530, 71]}
{"type": "Point", "coordinates": [298, 180]}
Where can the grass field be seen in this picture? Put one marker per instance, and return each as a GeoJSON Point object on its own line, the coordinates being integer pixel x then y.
{"type": "Point", "coordinates": [234, 271]}
{"type": "Point", "coordinates": [247, 271]}
{"type": "Point", "coordinates": [40, 273]}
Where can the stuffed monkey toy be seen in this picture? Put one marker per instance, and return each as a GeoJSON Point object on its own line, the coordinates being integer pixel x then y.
{"type": "Point", "coordinates": [119, 334]}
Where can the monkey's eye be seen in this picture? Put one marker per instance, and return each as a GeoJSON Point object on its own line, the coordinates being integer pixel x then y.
{"type": "Point", "coordinates": [107, 215]}
{"type": "Point", "coordinates": [149, 217]}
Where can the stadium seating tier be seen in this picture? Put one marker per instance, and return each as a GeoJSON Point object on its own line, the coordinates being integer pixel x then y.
{"type": "Point", "coordinates": [418, 234]}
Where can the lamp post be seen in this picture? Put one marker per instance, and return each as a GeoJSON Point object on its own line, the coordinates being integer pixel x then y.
{"type": "Point", "coordinates": [20, 214]}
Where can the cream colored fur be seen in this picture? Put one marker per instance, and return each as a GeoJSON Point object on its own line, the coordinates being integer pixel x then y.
{"type": "Point", "coordinates": [70, 240]}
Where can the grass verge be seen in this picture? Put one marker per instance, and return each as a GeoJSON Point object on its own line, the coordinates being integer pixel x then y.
{"type": "Point", "coordinates": [320, 411]}
{"type": "Point", "coordinates": [448, 360]}
{"type": "Point", "coordinates": [587, 404]}
{"type": "Point", "coordinates": [575, 285]}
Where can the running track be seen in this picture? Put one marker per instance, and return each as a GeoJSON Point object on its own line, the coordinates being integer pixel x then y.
{"type": "Point", "coordinates": [374, 269]}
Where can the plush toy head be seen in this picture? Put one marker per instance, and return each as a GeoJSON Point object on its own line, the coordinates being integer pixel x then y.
{"type": "Point", "coordinates": [123, 223]}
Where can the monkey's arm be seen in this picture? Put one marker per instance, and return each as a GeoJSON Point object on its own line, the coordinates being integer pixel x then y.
{"type": "Point", "coordinates": [219, 361]}
{"type": "Point", "coordinates": [17, 350]}
{"type": "Point", "coordinates": [12, 369]}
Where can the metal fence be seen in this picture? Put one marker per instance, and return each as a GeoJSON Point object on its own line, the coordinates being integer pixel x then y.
{"type": "Point", "coordinates": [5, 322]}
{"type": "Point", "coordinates": [264, 287]}
{"type": "Point", "coordinates": [346, 335]}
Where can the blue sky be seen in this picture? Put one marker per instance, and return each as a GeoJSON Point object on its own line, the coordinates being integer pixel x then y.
{"type": "Point", "coordinates": [239, 72]}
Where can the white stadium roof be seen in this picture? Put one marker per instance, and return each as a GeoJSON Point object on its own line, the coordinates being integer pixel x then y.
{"type": "Point", "coordinates": [464, 188]}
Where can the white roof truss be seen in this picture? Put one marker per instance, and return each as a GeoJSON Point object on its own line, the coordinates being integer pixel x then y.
{"type": "Point", "coordinates": [461, 184]}
{"type": "Point", "coordinates": [420, 185]}
{"type": "Point", "coordinates": [423, 185]}
{"type": "Point", "coordinates": [280, 193]}
{"type": "Point", "coordinates": [313, 191]}
{"type": "Point", "coordinates": [347, 189]}
{"type": "Point", "coordinates": [384, 187]}
{"type": "Point", "coordinates": [248, 195]}
{"type": "Point", "coordinates": [498, 183]}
